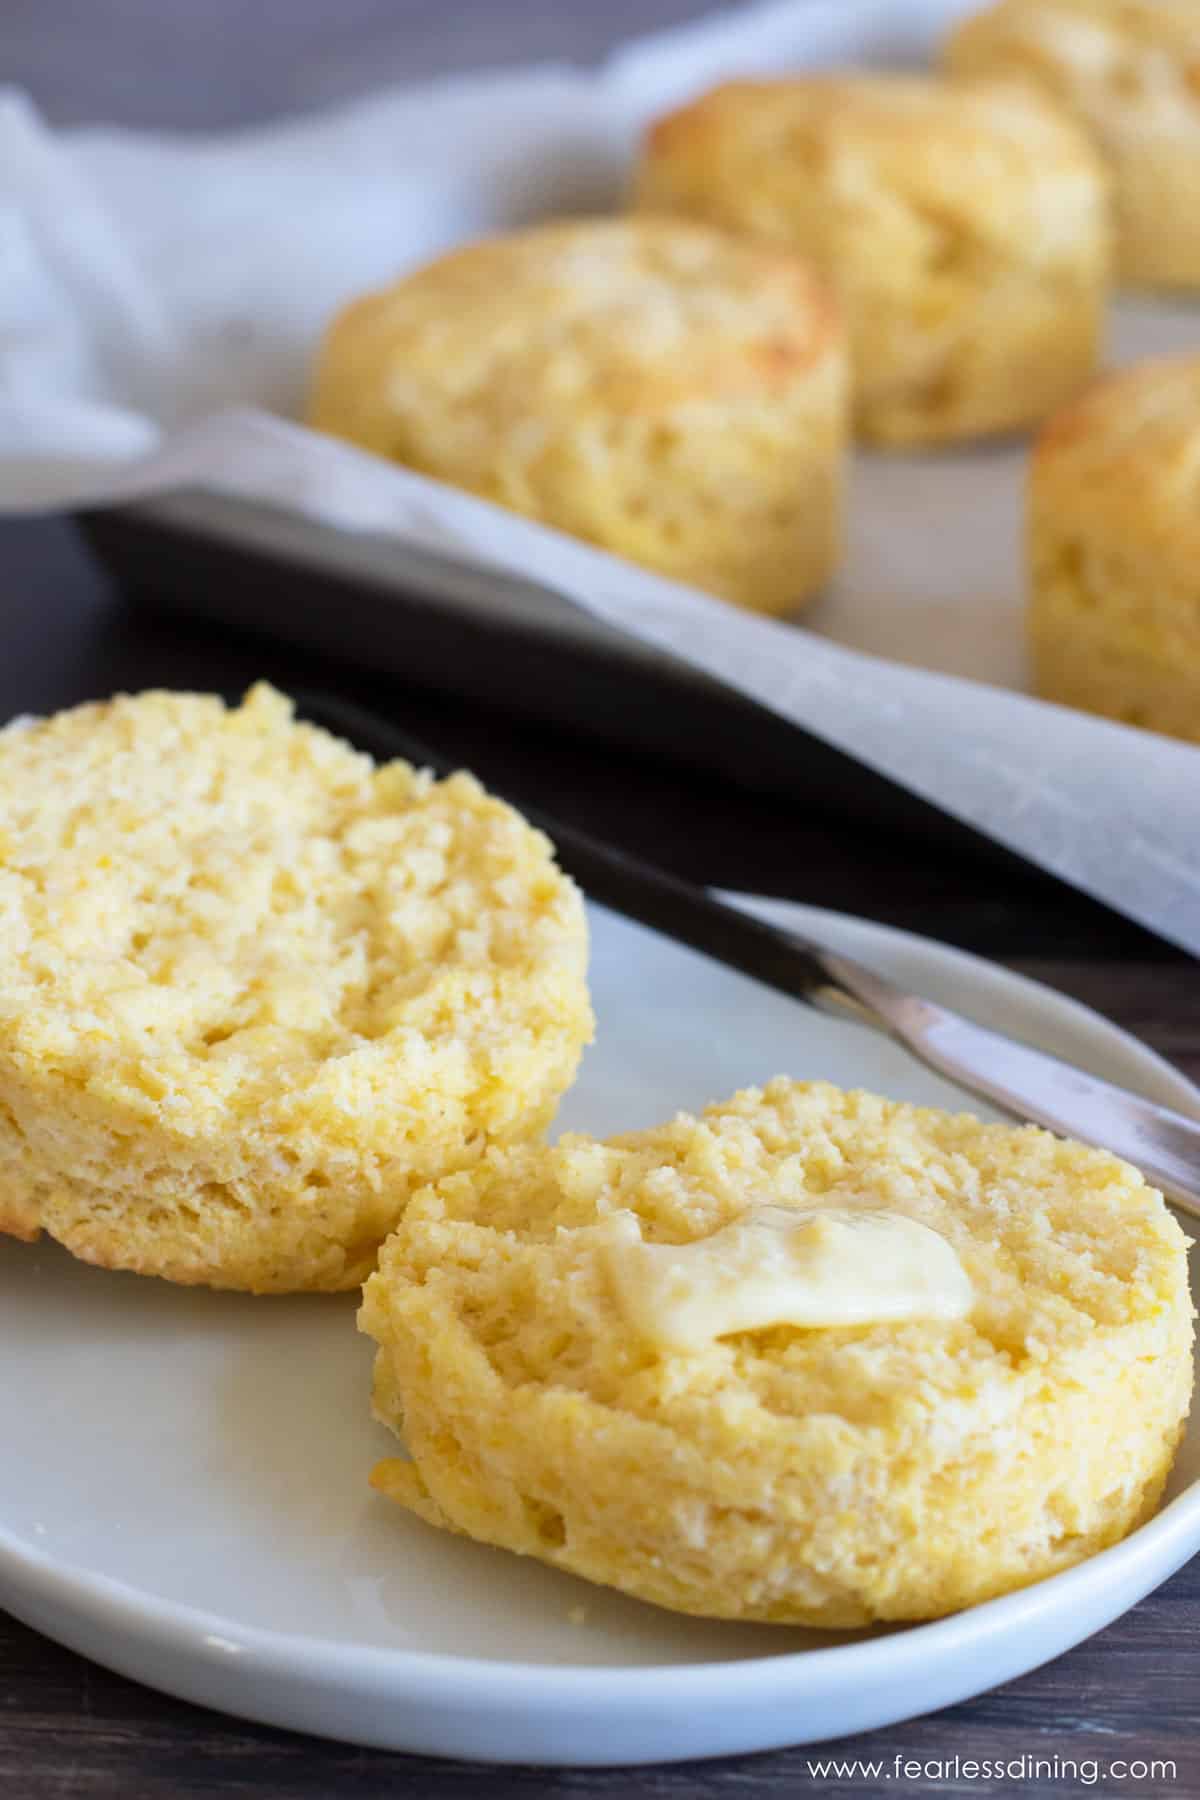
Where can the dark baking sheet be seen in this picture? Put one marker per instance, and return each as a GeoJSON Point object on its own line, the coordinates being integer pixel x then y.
{"type": "Point", "coordinates": [365, 602]}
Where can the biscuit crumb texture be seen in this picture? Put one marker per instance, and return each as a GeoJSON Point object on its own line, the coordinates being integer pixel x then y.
{"type": "Point", "coordinates": [257, 989]}
{"type": "Point", "coordinates": [1114, 550]}
{"type": "Point", "coordinates": [827, 1477]}
{"type": "Point", "coordinates": [1129, 70]}
{"type": "Point", "coordinates": [659, 389]}
{"type": "Point", "coordinates": [965, 229]}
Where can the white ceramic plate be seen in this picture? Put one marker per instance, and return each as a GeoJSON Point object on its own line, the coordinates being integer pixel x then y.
{"type": "Point", "coordinates": [183, 1489]}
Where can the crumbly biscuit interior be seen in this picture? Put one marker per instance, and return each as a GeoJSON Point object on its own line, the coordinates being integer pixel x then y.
{"type": "Point", "coordinates": [256, 987]}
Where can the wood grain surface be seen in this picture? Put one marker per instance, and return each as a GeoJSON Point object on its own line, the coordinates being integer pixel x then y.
{"type": "Point", "coordinates": [69, 1728]}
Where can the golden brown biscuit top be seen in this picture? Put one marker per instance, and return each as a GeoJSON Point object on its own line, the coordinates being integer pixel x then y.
{"type": "Point", "coordinates": [1076, 27]}
{"type": "Point", "coordinates": [992, 153]}
{"type": "Point", "coordinates": [627, 313]}
{"type": "Point", "coordinates": [1117, 59]}
{"type": "Point", "coordinates": [1131, 443]}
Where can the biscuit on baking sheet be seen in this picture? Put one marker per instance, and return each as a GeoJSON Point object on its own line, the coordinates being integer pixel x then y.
{"type": "Point", "coordinates": [825, 1474]}
{"type": "Point", "coordinates": [1114, 550]}
{"type": "Point", "coordinates": [257, 989]}
{"type": "Point", "coordinates": [965, 229]}
{"type": "Point", "coordinates": [1130, 71]}
{"type": "Point", "coordinates": [658, 388]}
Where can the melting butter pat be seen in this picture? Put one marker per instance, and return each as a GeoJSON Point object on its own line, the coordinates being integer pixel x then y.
{"type": "Point", "coordinates": [775, 1266]}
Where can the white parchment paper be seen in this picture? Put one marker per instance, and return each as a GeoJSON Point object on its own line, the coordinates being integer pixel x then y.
{"type": "Point", "coordinates": [160, 298]}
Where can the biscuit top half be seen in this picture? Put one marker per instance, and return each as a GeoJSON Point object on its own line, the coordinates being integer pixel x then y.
{"type": "Point", "coordinates": [207, 911]}
{"type": "Point", "coordinates": [1061, 1244]}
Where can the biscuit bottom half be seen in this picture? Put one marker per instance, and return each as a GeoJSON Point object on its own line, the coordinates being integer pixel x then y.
{"type": "Point", "coordinates": [829, 1477]}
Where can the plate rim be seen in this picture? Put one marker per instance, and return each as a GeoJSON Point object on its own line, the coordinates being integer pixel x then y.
{"type": "Point", "coordinates": [192, 1629]}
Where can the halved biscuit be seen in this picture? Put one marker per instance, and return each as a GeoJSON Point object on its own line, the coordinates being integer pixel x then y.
{"type": "Point", "coordinates": [827, 1475]}
{"type": "Point", "coordinates": [257, 990]}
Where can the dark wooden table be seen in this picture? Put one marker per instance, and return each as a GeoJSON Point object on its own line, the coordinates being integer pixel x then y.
{"type": "Point", "coordinates": [69, 1728]}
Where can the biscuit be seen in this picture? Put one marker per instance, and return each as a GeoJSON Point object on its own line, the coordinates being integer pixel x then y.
{"type": "Point", "coordinates": [658, 389]}
{"type": "Point", "coordinates": [1114, 550]}
{"type": "Point", "coordinates": [256, 989]}
{"type": "Point", "coordinates": [1130, 71]}
{"type": "Point", "coordinates": [822, 1476]}
{"type": "Point", "coordinates": [966, 231]}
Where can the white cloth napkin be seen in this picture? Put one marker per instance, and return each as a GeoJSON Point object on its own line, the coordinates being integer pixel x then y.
{"type": "Point", "coordinates": [160, 297]}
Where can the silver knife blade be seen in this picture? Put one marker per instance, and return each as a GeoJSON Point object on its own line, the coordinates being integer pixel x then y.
{"type": "Point", "coordinates": [1025, 1082]}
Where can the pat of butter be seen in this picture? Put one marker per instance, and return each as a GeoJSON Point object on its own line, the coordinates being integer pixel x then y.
{"type": "Point", "coordinates": [774, 1266]}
